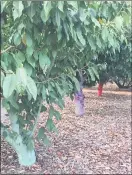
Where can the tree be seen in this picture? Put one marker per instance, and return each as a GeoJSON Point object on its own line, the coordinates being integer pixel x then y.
{"type": "Point", "coordinates": [110, 63]}
{"type": "Point", "coordinates": [121, 74]}
{"type": "Point", "coordinates": [44, 45]}
{"type": "Point", "coordinates": [118, 64]}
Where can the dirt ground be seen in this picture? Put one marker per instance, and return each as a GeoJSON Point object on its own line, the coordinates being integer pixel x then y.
{"type": "Point", "coordinates": [98, 143]}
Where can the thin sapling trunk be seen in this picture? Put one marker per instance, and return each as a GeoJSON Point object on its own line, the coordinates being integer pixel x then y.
{"type": "Point", "coordinates": [79, 98]}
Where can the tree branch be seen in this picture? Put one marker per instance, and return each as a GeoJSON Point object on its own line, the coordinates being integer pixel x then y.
{"type": "Point", "coordinates": [3, 51]}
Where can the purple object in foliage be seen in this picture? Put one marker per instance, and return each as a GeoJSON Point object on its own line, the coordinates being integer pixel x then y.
{"type": "Point", "coordinates": [79, 103]}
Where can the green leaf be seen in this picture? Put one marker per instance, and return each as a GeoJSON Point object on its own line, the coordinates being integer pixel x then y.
{"type": "Point", "coordinates": [28, 68]}
{"type": "Point", "coordinates": [61, 92]}
{"type": "Point", "coordinates": [28, 40]}
{"type": "Point", "coordinates": [66, 30]}
{"type": "Point", "coordinates": [50, 125]}
{"type": "Point", "coordinates": [21, 76]}
{"type": "Point", "coordinates": [13, 101]}
{"type": "Point", "coordinates": [3, 65]}
{"type": "Point", "coordinates": [72, 97]}
{"type": "Point", "coordinates": [76, 83]}
{"type": "Point", "coordinates": [43, 16]}
{"type": "Point", "coordinates": [2, 78]}
{"type": "Point", "coordinates": [95, 72]}
{"type": "Point", "coordinates": [46, 10]}
{"type": "Point", "coordinates": [91, 43]}
{"type": "Point", "coordinates": [29, 51]}
{"type": "Point", "coordinates": [43, 60]}
{"type": "Point", "coordinates": [20, 88]}
{"type": "Point", "coordinates": [60, 103]}
{"type": "Point", "coordinates": [31, 11]}
{"type": "Point", "coordinates": [99, 44]}
{"type": "Point", "coordinates": [126, 18]}
{"type": "Point", "coordinates": [5, 104]}
{"type": "Point", "coordinates": [95, 21]}
{"type": "Point", "coordinates": [46, 141]}
{"type": "Point", "coordinates": [36, 55]}
{"type": "Point", "coordinates": [118, 22]}
{"type": "Point", "coordinates": [57, 115]}
{"type": "Point", "coordinates": [51, 112]}
{"type": "Point", "coordinates": [39, 88]}
{"type": "Point", "coordinates": [43, 109]}
{"type": "Point", "coordinates": [31, 61]}
{"type": "Point", "coordinates": [3, 5]}
{"type": "Point", "coordinates": [32, 87]}
{"type": "Point", "coordinates": [18, 8]}
{"type": "Point", "coordinates": [80, 36]}
{"type": "Point", "coordinates": [73, 4]}
{"type": "Point", "coordinates": [92, 12]}
{"type": "Point", "coordinates": [20, 27]}
{"type": "Point", "coordinates": [17, 39]}
{"type": "Point", "coordinates": [60, 5]}
{"type": "Point", "coordinates": [9, 85]}
{"type": "Point", "coordinates": [17, 61]}
{"type": "Point", "coordinates": [20, 56]}
{"type": "Point", "coordinates": [41, 133]}
{"type": "Point", "coordinates": [111, 40]}
{"type": "Point", "coordinates": [57, 17]}
{"type": "Point", "coordinates": [29, 94]}
{"type": "Point", "coordinates": [91, 74]}
{"type": "Point", "coordinates": [29, 3]}
{"type": "Point", "coordinates": [82, 15]}
{"type": "Point", "coordinates": [105, 33]}
{"type": "Point", "coordinates": [54, 53]}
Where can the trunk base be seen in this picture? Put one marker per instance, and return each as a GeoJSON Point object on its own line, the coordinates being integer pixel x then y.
{"type": "Point", "coordinates": [79, 104]}
{"type": "Point", "coordinates": [25, 150]}
{"type": "Point", "coordinates": [100, 89]}
{"type": "Point", "coordinates": [27, 158]}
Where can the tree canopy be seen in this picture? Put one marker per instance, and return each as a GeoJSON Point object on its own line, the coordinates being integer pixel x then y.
{"type": "Point", "coordinates": [44, 45]}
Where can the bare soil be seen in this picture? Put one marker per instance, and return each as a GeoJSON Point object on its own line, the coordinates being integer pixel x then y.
{"type": "Point", "coordinates": [98, 143]}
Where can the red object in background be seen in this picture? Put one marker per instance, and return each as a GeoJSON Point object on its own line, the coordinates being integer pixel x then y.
{"type": "Point", "coordinates": [100, 89]}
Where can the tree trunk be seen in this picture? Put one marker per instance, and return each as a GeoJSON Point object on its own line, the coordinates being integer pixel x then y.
{"type": "Point", "coordinates": [100, 89]}
{"type": "Point", "coordinates": [79, 98]}
{"type": "Point", "coordinates": [26, 154]}
{"type": "Point", "coordinates": [26, 157]}
{"type": "Point", "coordinates": [79, 103]}
{"type": "Point", "coordinates": [122, 86]}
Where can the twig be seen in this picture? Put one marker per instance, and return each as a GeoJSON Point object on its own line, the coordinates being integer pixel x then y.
{"type": "Point", "coordinates": [7, 49]}
{"type": "Point", "coordinates": [5, 71]}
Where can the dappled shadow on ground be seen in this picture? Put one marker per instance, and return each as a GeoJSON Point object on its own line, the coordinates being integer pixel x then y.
{"type": "Point", "coordinates": [98, 143]}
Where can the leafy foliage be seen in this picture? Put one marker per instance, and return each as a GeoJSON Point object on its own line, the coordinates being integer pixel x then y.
{"type": "Point", "coordinates": [44, 45]}
{"type": "Point", "coordinates": [118, 64]}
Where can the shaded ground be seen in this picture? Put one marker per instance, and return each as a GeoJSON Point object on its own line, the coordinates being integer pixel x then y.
{"type": "Point", "coordinates": [98, 143]}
